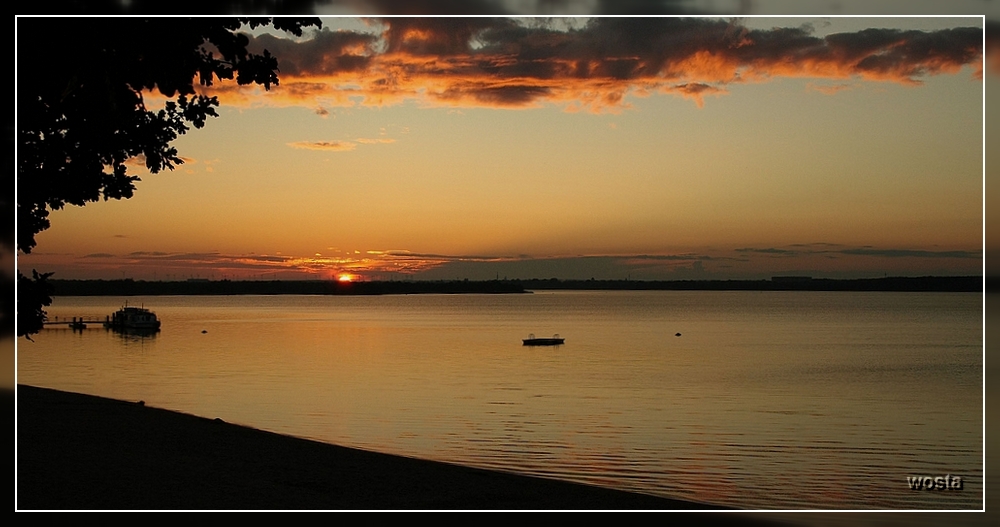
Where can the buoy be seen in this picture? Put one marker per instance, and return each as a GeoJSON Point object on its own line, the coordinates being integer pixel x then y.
{"type": "Point", "coordinates": [204, 331]}
{"type": "Point", "coordinates": [677, 334]}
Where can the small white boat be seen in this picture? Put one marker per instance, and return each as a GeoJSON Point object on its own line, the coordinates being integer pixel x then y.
{"type": "Point", "coordinates": [554, 340]}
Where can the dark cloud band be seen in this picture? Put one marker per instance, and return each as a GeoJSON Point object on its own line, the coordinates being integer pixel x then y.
{"type": "Point", "coordinates": [508, 62]}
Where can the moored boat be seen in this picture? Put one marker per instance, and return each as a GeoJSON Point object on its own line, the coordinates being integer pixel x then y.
{"type": "Point", "coordinates": [133, 318]}
{"type": "Point", "coordinates": [554, 340]}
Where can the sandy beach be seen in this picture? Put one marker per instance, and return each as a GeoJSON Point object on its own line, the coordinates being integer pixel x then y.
{"type": "Point", "coordinates": [77, 451]}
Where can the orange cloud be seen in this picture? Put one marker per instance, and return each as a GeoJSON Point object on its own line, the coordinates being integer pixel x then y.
{"type": "Point", "coordinates": [829, 89]}
{"type": "Point", "coordinates": [338, 146]}
{"type": "Point", "coordinates": [504, 63]}
{"type": "Point", "coordinates": [695, 91]}
{"type": "Point", "coordinates": [335, 146]}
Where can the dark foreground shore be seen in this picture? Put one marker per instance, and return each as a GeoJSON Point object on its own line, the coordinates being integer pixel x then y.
{"type": "Point", "coordinates": [83, 452]}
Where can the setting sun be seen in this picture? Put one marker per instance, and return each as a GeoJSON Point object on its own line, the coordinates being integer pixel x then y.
{"type": "Point", "coordinates": [345, 278]}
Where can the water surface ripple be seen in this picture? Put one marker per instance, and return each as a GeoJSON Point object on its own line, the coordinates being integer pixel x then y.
{"type": "Point", "coordinates": [768, 400]}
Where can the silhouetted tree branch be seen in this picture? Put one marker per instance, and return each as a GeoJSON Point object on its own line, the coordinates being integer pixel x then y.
{"type": "Point", "coordinates": [33, 294]}
{"type": "Point", "coordinates": [82, 114]}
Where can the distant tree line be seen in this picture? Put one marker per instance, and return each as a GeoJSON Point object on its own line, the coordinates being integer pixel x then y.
{"type": "Point", "coordinates": [129, 287]}
{"type": "Point", "coordinates": [914, 284]}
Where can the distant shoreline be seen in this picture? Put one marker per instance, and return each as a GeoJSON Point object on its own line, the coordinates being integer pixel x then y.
{"type": "Point", "coordinates": [129, 287]}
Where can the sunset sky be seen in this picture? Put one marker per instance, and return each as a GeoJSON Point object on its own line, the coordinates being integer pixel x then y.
{"type": "Point", "coordinates": [653, 148]}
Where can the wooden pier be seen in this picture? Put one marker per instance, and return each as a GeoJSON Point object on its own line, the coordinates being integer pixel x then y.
{"type": "Point", "coordinates": [128, 319]}
{"type": "Point", "coordinates": [77, 322]}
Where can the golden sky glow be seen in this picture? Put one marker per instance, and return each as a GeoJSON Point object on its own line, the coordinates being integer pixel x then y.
{"type": "Point", "coordinates": [643, 148]}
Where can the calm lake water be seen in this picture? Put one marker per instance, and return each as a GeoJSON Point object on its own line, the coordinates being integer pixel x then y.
{"type": "Point", "coordinates": [768, 400]}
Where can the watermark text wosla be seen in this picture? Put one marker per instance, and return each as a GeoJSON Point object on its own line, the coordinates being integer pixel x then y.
{"type": "Point", "coordinates": [946, 482]}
